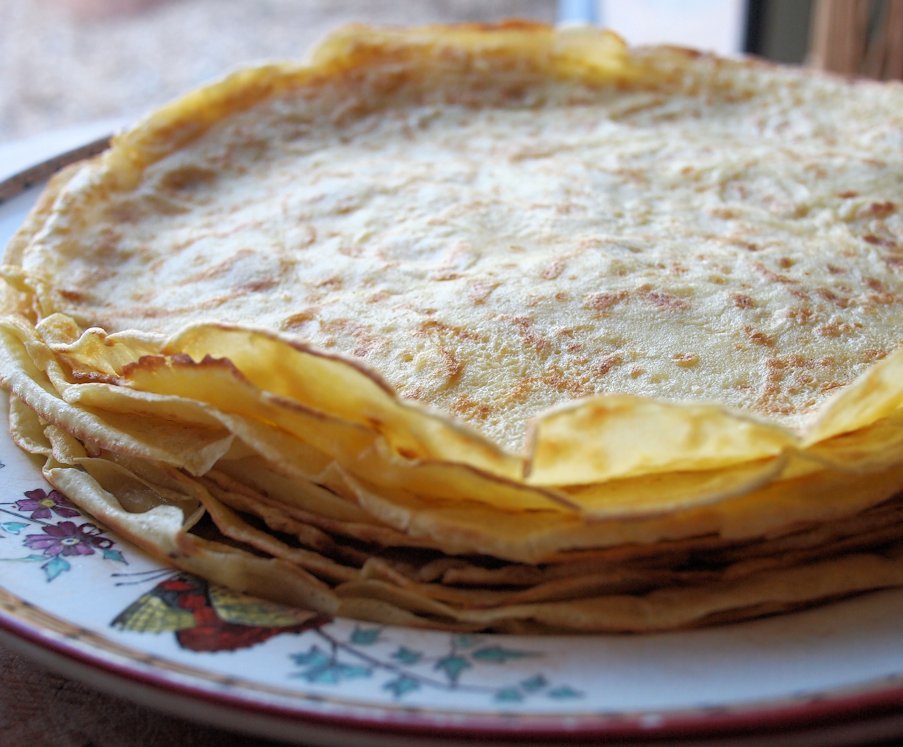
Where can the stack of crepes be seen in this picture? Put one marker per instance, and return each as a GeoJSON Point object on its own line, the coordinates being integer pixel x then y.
{"type": "Point", "coordinates": [483, 328]}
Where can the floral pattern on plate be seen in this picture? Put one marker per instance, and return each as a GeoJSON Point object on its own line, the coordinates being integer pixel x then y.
{"type": "Point", "coordinates": [55, 532]}
{"type": "Point", "coordinates": [376, 652]}
{"type": "Point", "coordinates": [209, 619]}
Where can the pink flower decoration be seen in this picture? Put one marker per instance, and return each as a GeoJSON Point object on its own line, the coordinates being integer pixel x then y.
{"type": "Point", "coordinates": [68, 539]}
{"type": "Point", "coordinates": [42, 505]}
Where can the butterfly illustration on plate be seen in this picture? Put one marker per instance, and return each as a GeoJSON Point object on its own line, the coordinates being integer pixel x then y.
{"type": "Point", "coordinates": [208, 618]}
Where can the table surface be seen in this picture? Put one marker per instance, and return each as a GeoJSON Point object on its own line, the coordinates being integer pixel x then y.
{"type": "Point", "coordinates": [39, 708]}
{"type": "Point", "coordinates": [67, 61]}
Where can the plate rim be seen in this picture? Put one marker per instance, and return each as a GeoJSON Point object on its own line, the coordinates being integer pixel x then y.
{"type": "Point", "coordinates": [864, 703]}
{"type": "Point", "coordinates": [33, 176]}
{"type": "Point", "coordinates": [842, 706]}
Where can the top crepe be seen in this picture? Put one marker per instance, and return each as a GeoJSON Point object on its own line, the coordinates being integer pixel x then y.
{"type": "Point", "coordinates": [288, 333]}
{"type": "Point", "coordinates": [495, 224]}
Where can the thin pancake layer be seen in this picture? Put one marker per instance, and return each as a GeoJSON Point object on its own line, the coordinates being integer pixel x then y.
{"type": "Point", "coordinates": [289, 332]}
{"type": "Point", "coordinates": [494, 244]}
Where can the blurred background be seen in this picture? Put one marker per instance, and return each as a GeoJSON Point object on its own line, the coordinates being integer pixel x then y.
{"type": "Point", "coordinates": [64, 63]}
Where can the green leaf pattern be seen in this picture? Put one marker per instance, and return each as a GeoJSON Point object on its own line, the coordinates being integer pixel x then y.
{"type": "Point", "coordinates": [500, 654]}
{"type": "Point", "coordinates": [373, 652]}
{"type": "Point", "coordinates": [365, 636]}
{"type": "Point", "coordinates": [324, 668]}
{"type": "Point", "coordinates": [404, 655]}
{"type": "Point", "coordinates": [401, 686]}
{"type": "Point", "coordinates": [452, 666]}
{"type": "Point", "coordinates": [54, 567]}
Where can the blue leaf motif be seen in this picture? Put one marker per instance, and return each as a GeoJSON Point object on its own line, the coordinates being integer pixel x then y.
{"type": "Point", "coordinates": [365, 636]}
{"type": "Point", "coordinates": [114, 555]}
{"type": "Point", "coordinates": [313, 657]}
{"type": "Point", "coordinates": [499, 654]}
{"type": "Point", "coordinates": [320, 668]}
{"type": "Point", "coordinates": [565, 692]}
{"type": "Point", "coordinates": [401, 686]}
{"type": "Point", "coordinates": [336, 661]}
{"type": "Point", "coordinates": [404, 655]}
{"type": "Point", "coordinates": [452, 666]}
{"type": "Point", "coordinates": [13, 527]}
{"type": "Point", "coordinates": [509, 695]}
{"type": "Point", "coordinates": [350, 672]}
{"type": "Point", "coordinates": [54, 567]}
{"type": "Point", "coordinates": [534, 683]}
{"type": "Point", "coordinates": [334, 673]}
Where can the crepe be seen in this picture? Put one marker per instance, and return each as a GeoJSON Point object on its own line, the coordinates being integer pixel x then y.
{"type": "Point", "coordinates": [592, 332]}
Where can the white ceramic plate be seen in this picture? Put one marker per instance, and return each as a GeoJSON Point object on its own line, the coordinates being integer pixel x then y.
{"type": "Point", "coordinates": [95, 608]}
